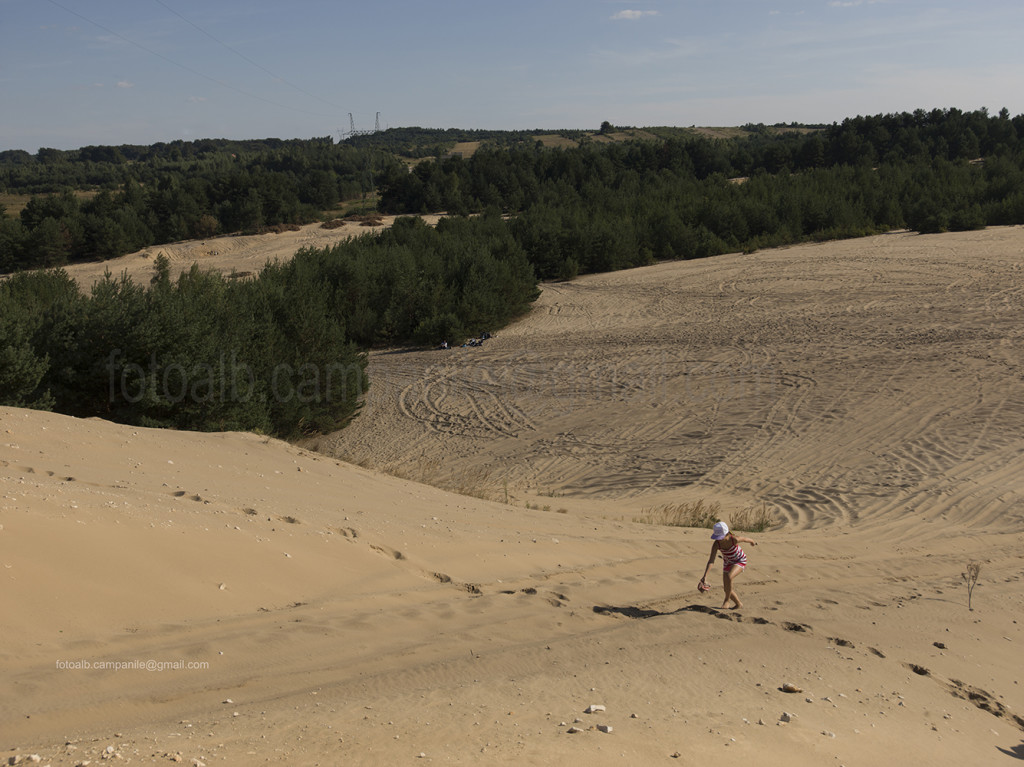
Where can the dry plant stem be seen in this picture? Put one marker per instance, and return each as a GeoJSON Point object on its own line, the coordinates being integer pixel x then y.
{"type": "Point", "coordinates": [971, 579]}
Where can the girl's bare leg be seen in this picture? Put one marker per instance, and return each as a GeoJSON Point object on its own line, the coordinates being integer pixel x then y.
{"type": "Point", "coordinates": [728, 576]}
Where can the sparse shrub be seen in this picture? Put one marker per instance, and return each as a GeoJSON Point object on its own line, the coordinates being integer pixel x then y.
{"type": "Point", "coordinates": [205, 226]}
{"type": "Point", "coordinates": [971, 579]}
{"type": "Point", "coordinates": [752, 519]}
{"type": "Point", "coordinates": [696, 514]}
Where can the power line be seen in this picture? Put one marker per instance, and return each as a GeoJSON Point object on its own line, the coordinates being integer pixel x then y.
{"type": "Point", "coordinates": [244, 57]}
{"type": "Point", "coordinates": [183, 66]}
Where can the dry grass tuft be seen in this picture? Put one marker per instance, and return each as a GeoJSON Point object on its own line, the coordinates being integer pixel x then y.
{"type": "Point", "coordinates": [696, 514]}
{"type": "Point", "coordinates": [477, 483]}
{"type": "Point", "coordinates": [752, 519]}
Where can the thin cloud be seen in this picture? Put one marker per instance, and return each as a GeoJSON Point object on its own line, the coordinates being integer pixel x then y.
{"type": "Point", "coordinates": [125, 84]}
{"type": "Point", "coordinates": [631, 15]}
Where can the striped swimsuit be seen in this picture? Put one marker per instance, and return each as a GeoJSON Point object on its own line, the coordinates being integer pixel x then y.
{"type": "Point", "coordinates": [733, 556]}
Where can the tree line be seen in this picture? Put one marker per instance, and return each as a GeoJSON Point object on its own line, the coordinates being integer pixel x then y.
{"type": "Point", "coordinates": [614, 204]}
{"type": "Point", "coordinates": [282, 353]}
{"type": "Point", "coordinates": [607, 206]}
{"type": "Point", "coordinates": [167, 194]}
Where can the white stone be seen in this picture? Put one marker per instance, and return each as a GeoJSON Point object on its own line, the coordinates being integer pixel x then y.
{"type": "Point", "coordinates": [604, 727]}
{"type": "Point", "coordinates": [594, 708]}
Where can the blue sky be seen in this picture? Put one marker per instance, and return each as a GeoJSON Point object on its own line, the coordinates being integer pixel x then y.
{"type": "Point", "coordinates": [81, 72]}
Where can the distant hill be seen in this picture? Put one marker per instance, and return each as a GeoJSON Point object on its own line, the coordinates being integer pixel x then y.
{"type": "Point", "coordinates": [416, 142]}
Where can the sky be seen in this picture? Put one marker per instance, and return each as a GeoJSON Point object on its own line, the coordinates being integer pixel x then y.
{"type": "Point", "coordinates": [76, 73]}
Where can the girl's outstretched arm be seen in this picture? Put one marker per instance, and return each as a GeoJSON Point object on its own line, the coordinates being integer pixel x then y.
{"type": "Point", "coordinates": [751, 541]}
{"type": "Point", "coordinates": [711, 560]}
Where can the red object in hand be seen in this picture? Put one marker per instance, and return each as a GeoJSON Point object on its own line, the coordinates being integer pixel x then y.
{"type": "Point", "coordinates": [702, 586]}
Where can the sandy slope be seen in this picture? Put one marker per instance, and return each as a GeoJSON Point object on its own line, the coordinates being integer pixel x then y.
{"type": "Point", "coordinates": [870, 392]}
{"type": "Point", "coordinates": [836, 382]}
{"type": "Point", "coordinates": [242, 255]}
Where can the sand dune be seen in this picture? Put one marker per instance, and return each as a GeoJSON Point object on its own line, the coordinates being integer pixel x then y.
{"type": "Point", "coordinates": [295, 608]}
{"type": "Point", "coordinates": [243, 255]}
{"type": "Point", "coordinates": [836, 383]}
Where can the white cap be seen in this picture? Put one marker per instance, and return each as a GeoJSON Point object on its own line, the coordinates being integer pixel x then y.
{"type": "Point", "coordinates": [721, 530]}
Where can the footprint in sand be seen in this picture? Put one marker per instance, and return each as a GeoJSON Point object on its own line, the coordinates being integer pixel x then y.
{"type": "Point", "coordinates": [471, 588]}
{"type": "Point", "coordinates": [973, 695]}
{"type": "Point", "coordinates": [387, 551]}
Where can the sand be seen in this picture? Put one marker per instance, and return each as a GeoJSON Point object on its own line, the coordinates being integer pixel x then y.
{"type": "Point", "coordinates": [303, 605]}
{"type": "Point", "coordinates": [240, 255]}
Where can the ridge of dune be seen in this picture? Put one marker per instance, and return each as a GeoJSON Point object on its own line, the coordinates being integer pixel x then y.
{"type": "Point", "coordinates": [295, 608]}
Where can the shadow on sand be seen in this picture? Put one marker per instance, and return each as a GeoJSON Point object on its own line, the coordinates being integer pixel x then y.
{"type": "Point", "coordinates": [1017, 751]}
{"type": "Point", "coordinates": [632, 611]}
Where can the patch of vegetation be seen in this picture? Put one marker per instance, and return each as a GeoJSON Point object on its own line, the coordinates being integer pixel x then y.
{"type": "Point", "coordinates": [692, 514]}
{"type": "Point", "coordinates": [753, 519]}
{"type": "Point", "coordinates": [281, 354]}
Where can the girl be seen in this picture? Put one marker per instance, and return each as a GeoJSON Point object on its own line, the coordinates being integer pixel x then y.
{"type": "Point", "coordinates": [734, 561]}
